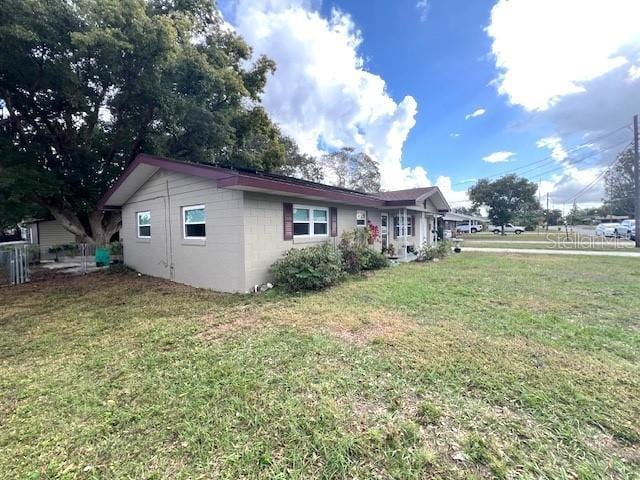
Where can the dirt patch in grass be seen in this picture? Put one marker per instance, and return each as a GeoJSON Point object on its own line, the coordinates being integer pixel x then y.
{"type": "Point", "coordinates": [353, 326]}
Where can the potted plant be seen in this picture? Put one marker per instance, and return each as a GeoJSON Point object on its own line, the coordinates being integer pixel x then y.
{"type": "Point", "coordinates": [390, 251]}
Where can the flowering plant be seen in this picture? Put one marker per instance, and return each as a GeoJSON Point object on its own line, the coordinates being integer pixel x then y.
{"type": "Point", "coordinates": [374, 231]}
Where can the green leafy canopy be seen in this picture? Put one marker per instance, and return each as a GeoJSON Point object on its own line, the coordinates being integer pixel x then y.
{"type": "Point", "coordinates": [506, 197]}
{"type": "Point", "coordinates": [90, 83]}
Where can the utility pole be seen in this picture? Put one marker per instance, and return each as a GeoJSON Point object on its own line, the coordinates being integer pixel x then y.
{"type": "Point", "coordinates": [636, 177]}
{"type": "Point", "coordinates": [547, 211]}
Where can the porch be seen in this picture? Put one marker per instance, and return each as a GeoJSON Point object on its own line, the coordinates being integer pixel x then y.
{"type": "Point", "coordinates": [406, 230]}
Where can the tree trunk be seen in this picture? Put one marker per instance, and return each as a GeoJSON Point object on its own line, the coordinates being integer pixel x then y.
{"type": "Point", "coordinates": [103, 225]}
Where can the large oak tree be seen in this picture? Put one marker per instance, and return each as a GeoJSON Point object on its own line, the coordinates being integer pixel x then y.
{"type": "Point", "coordinates": [88, 84]}
{"type": "Point", "coordinates": [506, 198]}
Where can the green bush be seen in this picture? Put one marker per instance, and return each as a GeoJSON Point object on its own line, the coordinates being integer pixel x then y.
{"type": "Point", "coordinates": [443, 249]}
{"type": "Point", "coordinates": [115, 248]}
{"type": "Point", "coordinates": [428, 253]}
{"type": "Point", "coordinates": [356, 254]}
{"type": "Point", "coordinates": [372, 260]}
{"type": "Point", "coordinates": [310, 268]}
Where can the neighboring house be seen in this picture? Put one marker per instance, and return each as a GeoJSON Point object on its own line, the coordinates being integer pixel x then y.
{"type": "Point", "coordinates": [223, 228]}
{"type": "Point", "coordinates": [46, 233]}
{"type": "Point", "coordinates": [452, 220]}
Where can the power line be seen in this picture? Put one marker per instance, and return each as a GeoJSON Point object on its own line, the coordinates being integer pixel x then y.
{"type": "Point", "coordinates": [571, 164]}
{"type": "Point", "coordinates": [549, 158]}
{"type": "Point", "coordinates": [593, 182]}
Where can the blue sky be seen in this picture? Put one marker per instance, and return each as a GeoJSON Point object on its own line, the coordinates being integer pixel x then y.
{"type": "Point", "coordinates": [398, 79]}
{"type": "Point", "coordinates": [443, 62]}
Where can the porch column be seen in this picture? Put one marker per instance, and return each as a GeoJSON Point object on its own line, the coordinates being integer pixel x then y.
{"type": "Point", "coordinates": [435, 229]}
{"type": "Point", "coordinates": [405, 233]}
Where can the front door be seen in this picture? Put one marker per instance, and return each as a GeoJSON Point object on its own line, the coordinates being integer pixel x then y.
{"type": "Point", "coordinates": [424, 231]}
{"type": "Point", "coordinates": [384, 230]}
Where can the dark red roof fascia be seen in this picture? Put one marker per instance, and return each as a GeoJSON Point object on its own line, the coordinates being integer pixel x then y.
{"type": "Point", "coordinates": [225, 177]}
{"type": "Point", "coordinates": [255, 181]}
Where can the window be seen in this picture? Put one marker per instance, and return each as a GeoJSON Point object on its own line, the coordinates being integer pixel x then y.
{"type": "Point", "coordinates": [144, 224]}
{"type": "Point", "coordinates": [194, 221]}
{"type": "Point", "coordinates": [310, 221]}
{"type": "Point", "coordinates": [401, 228]}
{"type": "Point", "coordinates": [361, 218]}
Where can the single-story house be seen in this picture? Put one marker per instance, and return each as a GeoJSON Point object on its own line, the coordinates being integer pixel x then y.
{"type": "Point", "coordinates": [223, 228]}
{"type": "Point", "coordinates": [46, 233]}
{"type": "Point", "coordinates": [452, 220]}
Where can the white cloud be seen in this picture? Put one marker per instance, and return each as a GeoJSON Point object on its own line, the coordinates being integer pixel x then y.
{"type": "Point", "coordinates": [455, 135]}
{"type": "Point", "coordinates": [558, 153]}
{"type": "Point", "coordinates": [320, 94]}
{"type": "Point", "coordinates": [476, 113]}
{"type": "Point", "coordinates": [423, 7]}
{"type": "Point", "coordinates": [455, 198]}
{"type": "Point", "coordinates": [498, 157]}
{"type": "Point", "coordinates": [580, 77]}
{"type": "Point", "coordinates": [570, 181]}
{"type": "Point", "coordinates": [546, 49]}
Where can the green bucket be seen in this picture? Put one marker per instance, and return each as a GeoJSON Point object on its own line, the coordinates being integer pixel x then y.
{"type": "Point", "coordinates": [103, 259]}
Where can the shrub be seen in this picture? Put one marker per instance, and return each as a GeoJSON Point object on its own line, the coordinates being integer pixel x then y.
{"type": "Point", "coordinates": [115, 248]}
{"type": "Point", "coordinates": [443, 249]}
{"type": "Point", "coordinates": [310, 268]}
{"type": "Point", "coordinates": [356, 255]}
{"type": "Point", "coordinates": [69, 248]}
{"type": "Point", "coordinates": [427, 253]}
{"type": "Point", "coordinates": [373, 260]}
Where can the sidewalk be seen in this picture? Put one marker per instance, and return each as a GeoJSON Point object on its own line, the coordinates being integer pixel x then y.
{"type": "Point", "coordinates": [620, 243]}
{"type": "Point", "coordinates": [558, 251]}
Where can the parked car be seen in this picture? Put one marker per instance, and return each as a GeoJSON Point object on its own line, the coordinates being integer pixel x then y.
{"type": "Point", "coordinates": [625, 228]}
{"type": "Point", "coordinates": [466, 228]}
{"type": "Point", "coordinates": [508, 228]}
{"type": "Point", "coordinates": [607, 229]}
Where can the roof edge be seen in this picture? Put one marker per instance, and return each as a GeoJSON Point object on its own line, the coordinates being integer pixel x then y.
{"type": "Point", "coordinates": [254, 180]}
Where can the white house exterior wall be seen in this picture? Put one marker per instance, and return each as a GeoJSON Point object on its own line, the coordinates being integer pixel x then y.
{"type": "Point", "coordinates": [216, 262]}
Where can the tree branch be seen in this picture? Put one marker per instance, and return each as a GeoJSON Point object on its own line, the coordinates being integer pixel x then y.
{"type": "Point", "coordinates": [70, 222]}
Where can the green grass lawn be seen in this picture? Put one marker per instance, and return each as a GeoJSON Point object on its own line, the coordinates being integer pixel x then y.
{"type": "Point", "coordinates": [551, 245]}
{"type": "Point", "coordinates": [540, 235]}
{"type": "Point", "coordinates": [478, 366]}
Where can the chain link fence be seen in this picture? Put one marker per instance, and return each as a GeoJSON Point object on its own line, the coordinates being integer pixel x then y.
{"type": "Point", "coordinates": [21, 263]}
{"type": "Point", "coordinates": [14, 265]}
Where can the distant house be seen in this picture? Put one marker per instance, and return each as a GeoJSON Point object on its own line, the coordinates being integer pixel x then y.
{"type": "Point", "coordinates": [611, 218]}
{"type": "Point", "coordinates": [223, 228]}
{"type": "Point", "coordinates": [46, 233]}
{"type": "Point", "coordinates": [470, 223]}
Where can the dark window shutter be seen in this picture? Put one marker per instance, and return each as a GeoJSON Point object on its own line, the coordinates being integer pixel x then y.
{"type": "Point", "coordinates": [333, 218]}
{"type": "Point", "coordinates": [287, 215]}
{"type": "Point", "coordinates": [395, 222]}
{"type": "Point", "coordinates": [413, 225]}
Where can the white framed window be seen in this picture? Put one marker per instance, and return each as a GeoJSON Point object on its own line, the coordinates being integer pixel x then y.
{"type": "Point", "coordinates": [309, 221]}
{"type": "Point", "coordinates": [361, 218]}
{"type": "Point", "coordinates": [401, 229]}
{"type": "Point", "coordinates": [194, 222]}
{"type": "Point", "coordinates": [144, 224]}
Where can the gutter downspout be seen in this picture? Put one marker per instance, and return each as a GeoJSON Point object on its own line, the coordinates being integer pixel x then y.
{"type": "Point", "coordinates": [172, 275]}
